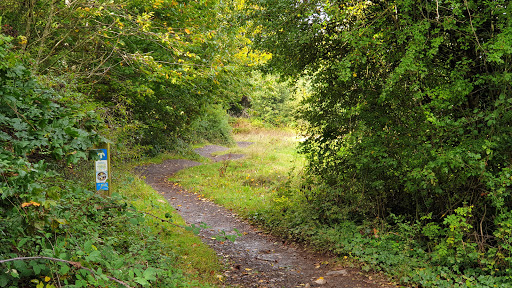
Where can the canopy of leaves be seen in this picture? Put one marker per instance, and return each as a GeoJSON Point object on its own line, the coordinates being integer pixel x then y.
{"type": "Point", "coordinates": [155, 66]}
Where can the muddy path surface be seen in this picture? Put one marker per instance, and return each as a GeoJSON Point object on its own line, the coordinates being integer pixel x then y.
{"type": "Point", "coordinates": [254, 259]}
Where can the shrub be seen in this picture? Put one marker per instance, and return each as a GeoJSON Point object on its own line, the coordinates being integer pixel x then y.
{"type": "Point", "coordinates": [212, 126]}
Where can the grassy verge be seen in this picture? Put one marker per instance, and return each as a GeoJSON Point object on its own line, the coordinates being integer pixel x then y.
{"type": "Point", "coordinates": [248, 185]}
{"type": "Point", "coordinates": [198, 263]}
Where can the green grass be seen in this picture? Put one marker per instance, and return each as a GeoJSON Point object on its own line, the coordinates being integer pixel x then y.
{"type": "Point", "coordinates": [246, 185]}
{"type": "Point", "coordinates": [188, 154]}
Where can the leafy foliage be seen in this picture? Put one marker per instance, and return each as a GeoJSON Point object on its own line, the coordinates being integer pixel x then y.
{"type": "Point", "coordinates": [212, 127]}
{"type": "Point", "coordinates": [410, 116]}
{"type": "Point", "coordinates": [46, 214]}
{"type": "Point", "coordinates": [34, 127]}
{"type": "Point", "coordinates": [274, 101]}
{"type": "Point", "coordinates": [155, 67]}
{"type": "Point", "coordinates": [75, 231]}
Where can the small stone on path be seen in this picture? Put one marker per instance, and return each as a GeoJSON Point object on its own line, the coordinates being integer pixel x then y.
{"type": "Point", "coordinates": [337, 273]}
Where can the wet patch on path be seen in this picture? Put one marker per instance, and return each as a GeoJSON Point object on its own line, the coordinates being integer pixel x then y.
{"type": "Point", "coordinates": [255, 259]}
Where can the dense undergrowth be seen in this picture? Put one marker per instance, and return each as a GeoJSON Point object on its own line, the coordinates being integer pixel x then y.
{"type": "Point", "coordinates": [424, 253]}
{"type": "Point", "coordinates": [86, 239]}
{"type": "Point", "coordinates": [99, 239]}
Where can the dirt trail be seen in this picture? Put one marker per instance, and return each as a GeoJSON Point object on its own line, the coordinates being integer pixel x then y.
{"type": "Point", "coordinates": [255, 259]}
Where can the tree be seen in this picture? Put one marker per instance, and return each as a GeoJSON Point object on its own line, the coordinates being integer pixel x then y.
{"type": "Point", "coordinates": [411, 113]}
{"type": "Point", "coordinates": [155, 67]}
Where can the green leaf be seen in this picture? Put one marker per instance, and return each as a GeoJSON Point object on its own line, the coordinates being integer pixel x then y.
{"type": "Point", "coordinates": [141, 281]}
{"type": "Point", "coordinates": [18, 124]}
{"type": "Point", "coordinates": [22, 242]}
{"type": "Point", "coordinates": [89, 247]}
{"type": "Point", "coordinates": [64, 269]}
{"type": "Point", "coordinates": [4, 280]}
{"type": "Point", "coordinates": [37, 267]}
{"type": "Point", "coordinates": [150, 274]}
{"type": "Point", "coordinates": [94, 256]}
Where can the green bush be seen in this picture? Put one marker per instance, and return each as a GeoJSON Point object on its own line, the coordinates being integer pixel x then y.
{"type": "Point", "coordinates": [212, 126]}
{"type": "Point", "coordinates": [274, 101]}
{"type": "Point", "coordinates": [410, 115]}
{"type": "Point", "coordinates": [73, 229]}
{"type": "Point", "coordinates": [35, 130]}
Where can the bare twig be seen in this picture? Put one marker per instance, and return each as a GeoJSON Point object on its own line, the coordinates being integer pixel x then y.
{"type": "Point", "coordinates": [30, 19]}
{"type": "Point", "coordinates": [22, 116]}
{"type": "Point", "coordinates": [437, 9]}
{"type": "Point", "coordinates": [55, 47]}
{"type": "Point", "coordinates": [481, 242]}
{"type": "Point", "coordinates": [471, 23]}
{"type": "Point", "coordinates": [46, 33]}
{"type": "Point", "coordinates": [74, 264]}
{"type": "Point", "coordinates": [273, 260]}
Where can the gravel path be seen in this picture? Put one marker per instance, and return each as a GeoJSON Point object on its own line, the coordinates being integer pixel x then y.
{"type": "Point", "coordinates": [255, 259]}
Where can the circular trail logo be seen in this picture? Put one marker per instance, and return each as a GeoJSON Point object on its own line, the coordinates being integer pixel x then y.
{"type": "Point", "coordinates": [101, 177]}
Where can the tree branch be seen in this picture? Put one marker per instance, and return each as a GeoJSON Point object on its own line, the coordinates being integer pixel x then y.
{"type": "Point", "coordinates": [471, 23]}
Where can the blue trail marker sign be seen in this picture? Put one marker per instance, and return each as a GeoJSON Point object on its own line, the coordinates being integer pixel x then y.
{"type": "Point", "coordinates": [102, 166]}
